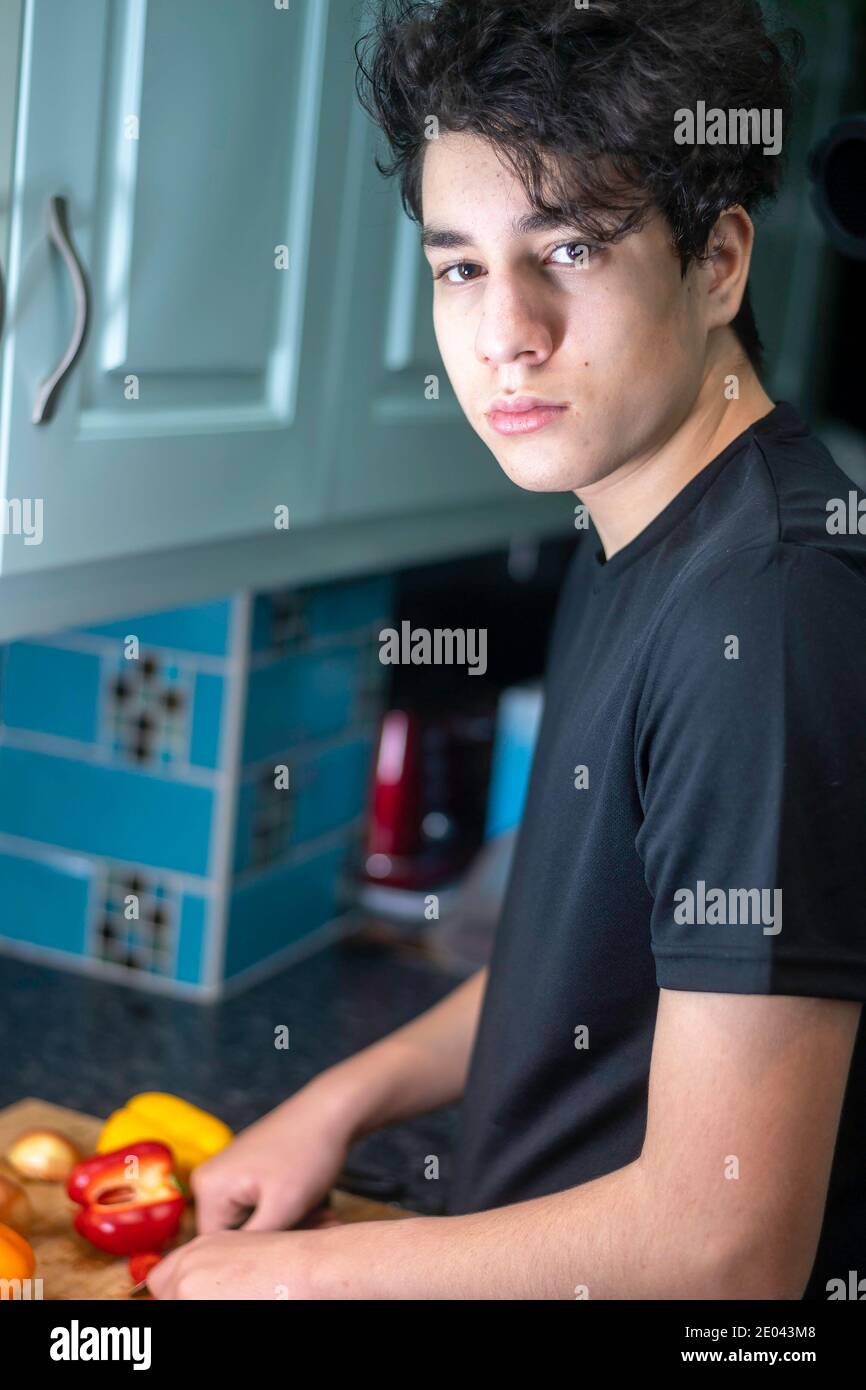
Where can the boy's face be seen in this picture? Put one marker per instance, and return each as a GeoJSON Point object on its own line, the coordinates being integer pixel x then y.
{"type": "Point", "coordinates": [619, 347]}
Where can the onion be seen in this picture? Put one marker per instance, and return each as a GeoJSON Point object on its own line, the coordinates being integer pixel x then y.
{"type": "Point", "coordinates": [44, 1154]}
{"type": "Point", "coordinates": [15, 1208]}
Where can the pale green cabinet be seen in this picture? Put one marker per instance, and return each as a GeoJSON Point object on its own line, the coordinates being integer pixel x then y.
{"type": "Point", "coordinates": [187, 141]}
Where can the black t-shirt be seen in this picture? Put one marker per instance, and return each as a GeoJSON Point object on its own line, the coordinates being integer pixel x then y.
{"type": "Point", "coordinates": [702, 748]}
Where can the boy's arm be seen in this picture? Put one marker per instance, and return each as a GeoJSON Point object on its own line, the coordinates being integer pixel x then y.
{"type": "Point", "coordinates": [417, 1068]}
{"type": "Point", "coordinates": [725, 1201]}
{"type": "Point", "coordinates": [281, 1167]}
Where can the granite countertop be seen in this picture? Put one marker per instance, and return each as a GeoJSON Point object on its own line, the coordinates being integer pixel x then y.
{"type": "Point", "coordinates": [91, 1044]}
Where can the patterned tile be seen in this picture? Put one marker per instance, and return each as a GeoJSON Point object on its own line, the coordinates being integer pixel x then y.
{"type": "Point", "coordinates": [290, 618]}
{"type": "Point", "coordinates": [273, 817]}
{"type": "Point", "coordinates": [147, 710]}
{"type": "Point", "coordinates": [373, 681]}
{"type": "Point", "coordinates": [135, 921]}
{"type": "Point", "coordinates": [289, 621]}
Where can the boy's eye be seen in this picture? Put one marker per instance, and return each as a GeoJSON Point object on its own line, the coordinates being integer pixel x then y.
{"type": "Point", "coordinates": [576, 253]}
{"type": "Point", "coordinates": [449, 272]}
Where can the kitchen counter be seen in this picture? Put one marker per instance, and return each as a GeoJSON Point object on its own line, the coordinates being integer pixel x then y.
{"type": "Point", "coordinates": [90, 1045]}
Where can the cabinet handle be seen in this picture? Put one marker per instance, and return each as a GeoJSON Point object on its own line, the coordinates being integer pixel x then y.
{"type": "Point", "coordinates": [58, 231]}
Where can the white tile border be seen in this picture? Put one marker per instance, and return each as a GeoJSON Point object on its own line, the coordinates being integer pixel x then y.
{"type": "Point", "coordinates": [103, 970]}
{"type": "Point", "coordinates": [225, 806]}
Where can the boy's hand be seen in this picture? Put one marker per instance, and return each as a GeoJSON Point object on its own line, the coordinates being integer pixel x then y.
{"type": "Point", "coordinates": [276, 1171]}
{"type": "Point", "coordinates": [308, 1265]}
{"type": "Point", "coordinates": [236, 1265]}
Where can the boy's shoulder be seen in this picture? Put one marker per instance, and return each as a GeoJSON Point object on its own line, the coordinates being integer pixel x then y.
{"type": "Point", "coordinates": [819, 506]}
{"type": "Point", "coordinates": [782, 515]}
{"type": "Point", "coordinates": [776, 556]}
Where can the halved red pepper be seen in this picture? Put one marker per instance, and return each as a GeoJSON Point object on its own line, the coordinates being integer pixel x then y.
{"type": "Point", "coordinates": [127, 1207]}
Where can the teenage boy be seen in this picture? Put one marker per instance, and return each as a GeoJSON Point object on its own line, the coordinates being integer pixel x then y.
{"type": "Point", "coordinates": [654, 1067]}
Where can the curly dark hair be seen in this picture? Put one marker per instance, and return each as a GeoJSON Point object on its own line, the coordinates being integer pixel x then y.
{"type": "Point", "coordinates": [581, 104]}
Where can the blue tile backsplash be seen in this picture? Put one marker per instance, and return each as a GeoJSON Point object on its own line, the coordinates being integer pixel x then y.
{"type": "Point", "coordinates": [108, 811]}
{"type": "Point", "coordinates": [52, 691]}
{"type": "Point", "coordinates": [273, 909]}
{"type": "Point", "coordinates": [203, 630]}
{"type": "Point", "coordinates": [305, 695]}
{"type": "Point", "coordinates": [207, 708]}
{"type": "Point", "coordinates": [45, 903]}
{"type": "Point", "coordinates": [179, 791]}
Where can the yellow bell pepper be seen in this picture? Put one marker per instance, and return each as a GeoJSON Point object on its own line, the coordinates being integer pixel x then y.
{"type": "Point", "coordinates": [192, 1134]}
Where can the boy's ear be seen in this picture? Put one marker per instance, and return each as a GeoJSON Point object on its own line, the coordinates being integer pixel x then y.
{"type": "Point", "coordinates": [727, 267]}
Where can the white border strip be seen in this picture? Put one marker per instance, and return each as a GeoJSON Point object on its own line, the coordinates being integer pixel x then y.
{"type": "Point", "coordinates": [104, 971]}
{"type": "Point", "coordinates": [225, 807]}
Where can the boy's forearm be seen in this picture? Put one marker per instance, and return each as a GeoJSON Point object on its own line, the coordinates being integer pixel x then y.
{"type": "Point", "coordinates": [588, 1242]}
{"type": "Point", "coordinates": [617, 1237]}
{"type": "Point", "coordinates": [417, 1068]}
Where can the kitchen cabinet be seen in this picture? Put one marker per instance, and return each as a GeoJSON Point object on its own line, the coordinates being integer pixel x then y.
{"type": "Point", "coordinates": [187, 141]}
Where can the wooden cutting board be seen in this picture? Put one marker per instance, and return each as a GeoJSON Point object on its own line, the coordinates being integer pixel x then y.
{"type": "Point", "coordinates": [68, 1266]}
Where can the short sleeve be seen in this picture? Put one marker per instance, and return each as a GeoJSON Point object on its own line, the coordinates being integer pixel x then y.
{"type": "Point", "coordinates": [750, 756]}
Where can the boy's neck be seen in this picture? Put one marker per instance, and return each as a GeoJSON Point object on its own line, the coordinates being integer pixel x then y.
{"type": "Point", "coordinates": [624, 504]}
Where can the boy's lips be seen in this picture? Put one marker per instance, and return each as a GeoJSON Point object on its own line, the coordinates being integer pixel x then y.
{"type": "Point", "coordinates": [523, 414]}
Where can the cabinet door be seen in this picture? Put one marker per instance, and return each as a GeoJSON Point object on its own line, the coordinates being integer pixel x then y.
{"type": "Point", "coordinates": [398, 448]}
{"type": "Point", "coordinates": [185, 138]}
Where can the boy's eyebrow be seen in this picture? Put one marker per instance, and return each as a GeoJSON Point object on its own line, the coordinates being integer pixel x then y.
{"type": "Point", "coordinates": [443, 239]}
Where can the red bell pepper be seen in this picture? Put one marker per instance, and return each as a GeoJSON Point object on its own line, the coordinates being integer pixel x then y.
{"type": "Point", "coordinates": [127, 1207]}
{"type": "Point", "coordinates": [141, 1264]}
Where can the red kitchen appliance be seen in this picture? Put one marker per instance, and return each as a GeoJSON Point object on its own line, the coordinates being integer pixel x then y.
{"type": "Point", "coordinates": [427, 802]}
